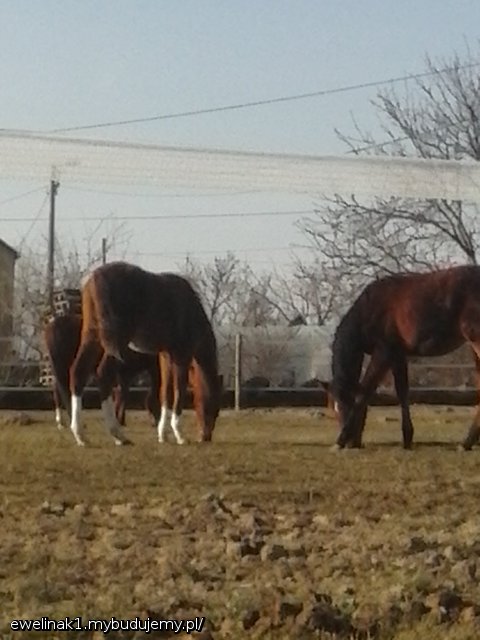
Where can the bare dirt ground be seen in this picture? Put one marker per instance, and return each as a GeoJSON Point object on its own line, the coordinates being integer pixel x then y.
{"type": "Point", "coordinates": [265, 532]}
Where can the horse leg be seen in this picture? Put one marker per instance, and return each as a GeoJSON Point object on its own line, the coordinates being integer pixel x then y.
{"type": "Point", "coordinates": [61, 397]}
{"type": "Point", "coordinates": [361, 419]}
{"type": "Point", "coordinates": [81, 369]}
{"type": "Point", "coordinates": [106, 373]}
{"type": "Point", "coordinates": [119, 393]}
{"type": "Point", "coordinates": [152, 400]}
{"type": "Point", "coordinates": [180, 380]}
{"type": "Point", "coordinates": [58, 405]}
{"type": "Point", "coordinates": [473, 434]}
{"type": "Point", "coordinates": [400, 379]}
{"type": "Point", "coordinates": [165, 366]}
{"type": "Point", "coordinates": [377, 368]}
{"type": "Point", "coordinates": [470, 330]}
{"type": "Point", "coordinates": [205, 419]}
{"type": "Point", "coordinates": [198, 402]}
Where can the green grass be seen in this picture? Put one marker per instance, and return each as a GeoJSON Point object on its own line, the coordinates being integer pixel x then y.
{"type": "Point", "coordinates": [109, 531]}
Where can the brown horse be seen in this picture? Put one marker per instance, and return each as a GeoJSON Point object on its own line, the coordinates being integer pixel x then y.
{"type": "Point", "coordinates": [125, 307]}
{"type": "Point", "coordinates": [62, 340]}
{"type": "Point", "coordinates": [421, 314]}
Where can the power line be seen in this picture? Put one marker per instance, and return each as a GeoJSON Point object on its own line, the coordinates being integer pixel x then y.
{"type": "Point", "coordinates": [377, 145]}
{"type": "Point", "coordinates": [258, 103]}
{"type": "Point", "coordinates": [21, 195]}
{"type": "Point", "coordinates": [173, 216]}
{"type": "Point", "coordinates": [34, 220]}
{"type": "Point", "coordinates": [171, 254]}
{"type": "Point", "coordinates": [162, 195]}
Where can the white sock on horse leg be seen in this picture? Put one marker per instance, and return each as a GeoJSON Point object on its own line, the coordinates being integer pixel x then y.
{"type": "Point", "coordinates": [162, 423]}
{"type": "Point", "coordinates": [174, 423]}
{"type": "Point", "coordinates": [111, 422]}
{"type": "Point", "coordinates": [75, 424]}
{"type": "Point", "coordinates": [58, 418]}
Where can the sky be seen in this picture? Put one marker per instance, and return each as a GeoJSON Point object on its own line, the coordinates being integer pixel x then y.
{"type": "Point", "coordinates": [69, 64]}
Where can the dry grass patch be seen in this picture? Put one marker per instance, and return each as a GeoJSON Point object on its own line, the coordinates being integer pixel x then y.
{"type": "Point", "coordinates": [266, 532]}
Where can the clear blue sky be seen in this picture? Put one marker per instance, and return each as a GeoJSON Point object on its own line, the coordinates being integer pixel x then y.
{"type": "Point", "coordinates": [69, 63]}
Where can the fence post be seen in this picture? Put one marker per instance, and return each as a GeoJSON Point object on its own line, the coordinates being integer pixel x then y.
{"type": "Point", "coordinates": [238, 370]}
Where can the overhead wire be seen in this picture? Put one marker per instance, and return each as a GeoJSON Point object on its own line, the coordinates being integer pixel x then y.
{"type": "Point", "coordinates": [21, 195]}
{"type": "Point", "coordinates": [34, 220]}
{"type": "Point", "coordinates": [173, 216]}
{"type": "Point", "coordinates": [162, 195]}
{"type": "Point", "coordinates": [257, 103]}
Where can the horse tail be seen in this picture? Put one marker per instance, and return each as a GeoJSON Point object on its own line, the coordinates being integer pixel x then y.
{"type": "Point", "coordinates": [98, 314]}
{"type": "Point", "coordinates": [62, 338]}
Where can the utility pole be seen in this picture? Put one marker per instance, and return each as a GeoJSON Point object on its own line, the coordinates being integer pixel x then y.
{"type": "Point", "coordinates": [238, 371]}
{"type": "Point", "coordinates": [51, 244]}
{"type": "Point", "coordinates": [104, 250]}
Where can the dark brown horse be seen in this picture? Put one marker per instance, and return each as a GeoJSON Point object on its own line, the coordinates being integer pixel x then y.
{"type": "Point", "coordinates": [125, 307]}
{"type": "Point", "coordinates": [62, 339]}
{"type": "Point", "coordinates": [413, 314]}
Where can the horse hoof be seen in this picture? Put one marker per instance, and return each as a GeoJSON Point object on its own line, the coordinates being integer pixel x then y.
{"type": "Point", "coordinates": [464, 447]}
{"type": "Point", "coordinates": [122, 443]}
{"type": "Point", "coordinates": [336, 447]}
{"type": "Point", "coordinates": [181, 441]}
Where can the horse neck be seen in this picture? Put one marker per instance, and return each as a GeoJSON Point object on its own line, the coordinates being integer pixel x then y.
{"type": "Point", "coordinates": [347, 355]}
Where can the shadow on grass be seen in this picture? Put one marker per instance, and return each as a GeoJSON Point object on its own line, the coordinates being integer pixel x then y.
{"type": "Point", "coordinates": [418, 445]}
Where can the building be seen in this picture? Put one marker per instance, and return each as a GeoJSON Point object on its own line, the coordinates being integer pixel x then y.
{"type": "Point", "coordinates": [287, 356]}
{"type": "Point", "coordinates": [8, 258]}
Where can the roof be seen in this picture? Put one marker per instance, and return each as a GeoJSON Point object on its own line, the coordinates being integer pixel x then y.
{"type": "Point", "coordinates": [9, 248]}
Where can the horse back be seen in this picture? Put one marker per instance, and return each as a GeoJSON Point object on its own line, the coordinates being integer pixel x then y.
{"type": "Point", "coordinates": [422, 312]}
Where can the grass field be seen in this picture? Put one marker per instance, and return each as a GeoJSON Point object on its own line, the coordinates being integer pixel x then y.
{"type": "Point", "coordinates": [266, 532]}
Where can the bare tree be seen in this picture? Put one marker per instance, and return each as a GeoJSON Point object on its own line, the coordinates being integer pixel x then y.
{"type": "Point", "coordinates": [71, 264]}
{"type": "Point", "coordinates": [438, 118]}
{"type": "Point", "coordinates": [236, 295]}
{"type": "Point", "coordinates": [216, 282]}
{"type": "Point", "coordinates": [305, 296]}
{"type": "Point", "coordinates": [231, 292]}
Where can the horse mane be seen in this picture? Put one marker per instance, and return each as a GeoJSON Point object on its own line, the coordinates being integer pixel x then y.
{"type": "Point", "coordinates": [347, 354]}
{"type": "Point", "coordinates": [348, 348]}
{"type": "Point", "coordinates": [206, 359]}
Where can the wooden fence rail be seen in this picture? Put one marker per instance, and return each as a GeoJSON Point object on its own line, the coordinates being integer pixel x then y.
{"type": "Point", "coordinates": [38, 398]}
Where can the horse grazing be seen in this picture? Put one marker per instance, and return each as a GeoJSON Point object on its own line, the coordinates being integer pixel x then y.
{"type": "Point", "coordinates": [62, 339]}
{"type": "Point", "coordinates": [397, 316]}
{"type": "Point", "coordinates": [124, 306]}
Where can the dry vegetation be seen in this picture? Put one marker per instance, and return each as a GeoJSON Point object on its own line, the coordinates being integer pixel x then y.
{"type": "Point", "coordinates": [266, 532]}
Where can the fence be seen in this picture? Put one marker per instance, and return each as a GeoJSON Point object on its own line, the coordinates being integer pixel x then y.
{"type": "Point", "coordinates": [278, 365]}
{"type": "Point", "coordinates": [301, 356]}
